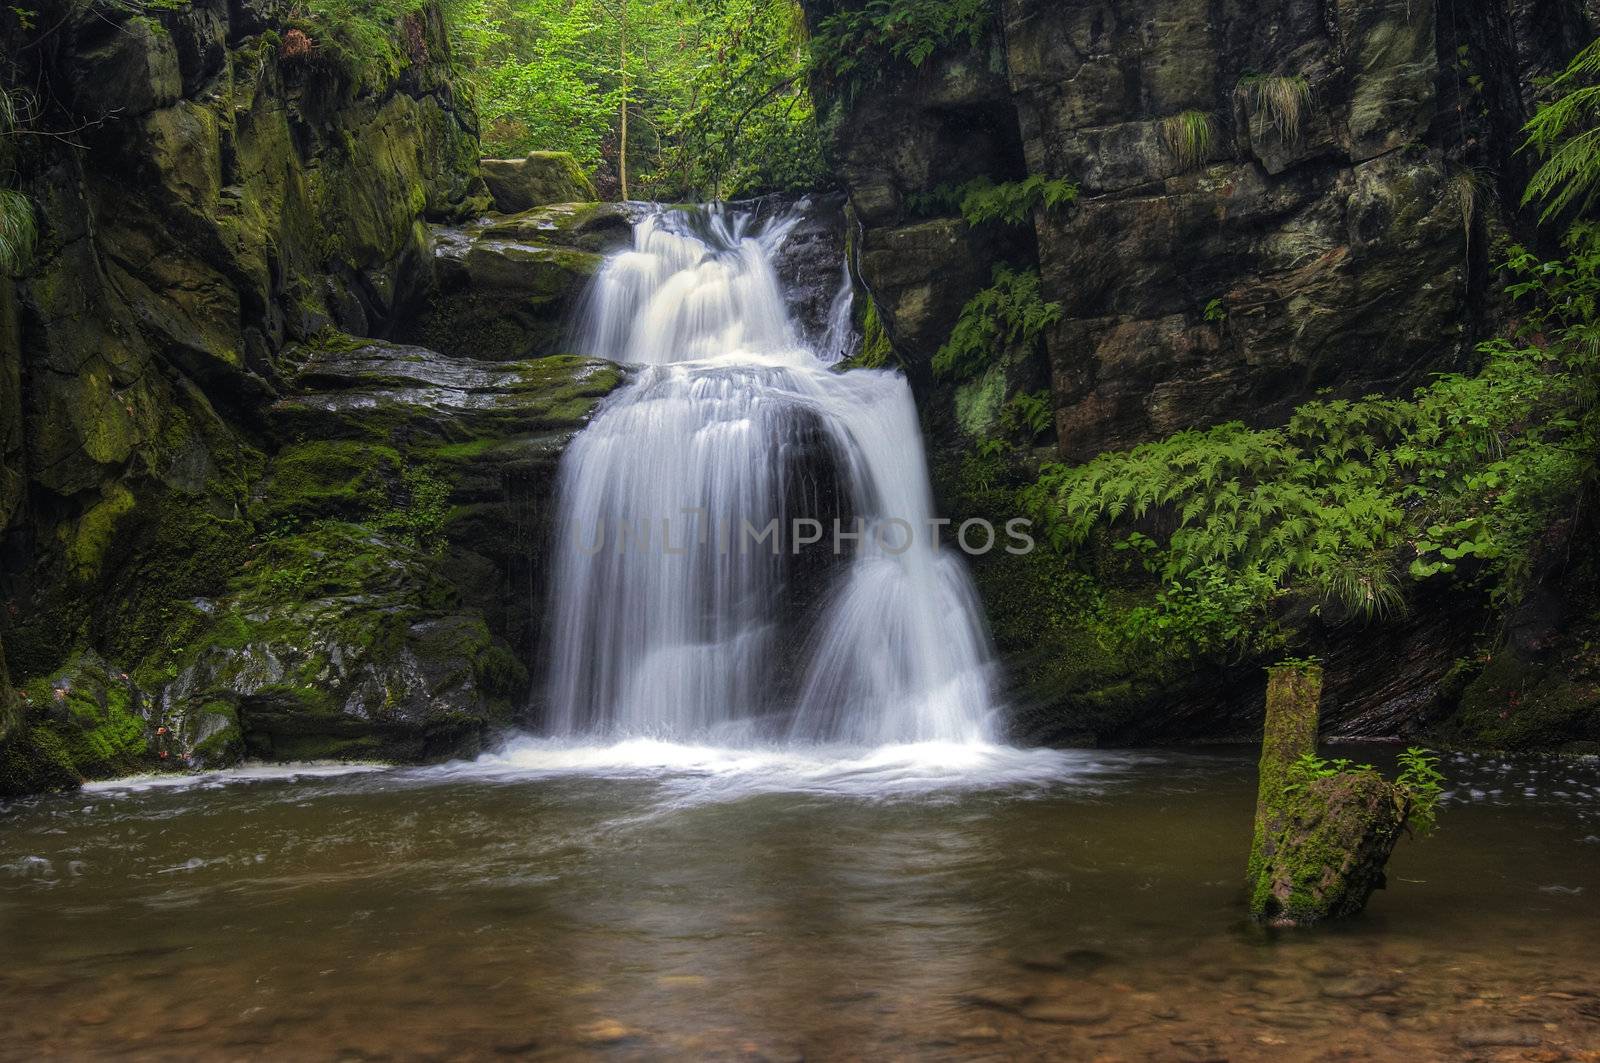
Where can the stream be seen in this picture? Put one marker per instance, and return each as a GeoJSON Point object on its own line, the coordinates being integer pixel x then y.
{"type": "Point", "coordinates": [645, 900]}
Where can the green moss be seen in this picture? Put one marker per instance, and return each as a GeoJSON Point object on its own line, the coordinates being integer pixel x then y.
{"type": "Point", "coordinates": [82, 723]}
{"type": "Point", "coordinates": [1327, 853]}
{"type": "Point", "coordinates": [1514, 705]}
{"type": "Point", "coordinates": [347, 480]}
{"type": "Point", "coordinates": [91, 540]}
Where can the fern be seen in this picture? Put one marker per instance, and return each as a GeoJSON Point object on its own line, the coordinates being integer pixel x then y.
{"type": "Point", "coordinates": [857, 45]}
{"type": "Point", "coordinates": [1008, 317]}
{"type": "Point", "coordinates": [1566, 133]}
{"type": "Point", "coordinates": [1460, 478]}
{"type": "Point", "coordinates": [981, 200]}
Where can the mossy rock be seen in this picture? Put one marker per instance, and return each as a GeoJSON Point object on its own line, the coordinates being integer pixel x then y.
{"type": "Point", "coordinates": [1515, 705]}
{"type": "Point", "coordinates": [539, 178]}
{"type": "Point", "coordinates": [594, 227]}
{"type": "Point", "coordinates": [340, 640]}
{"type": "Point", "coordinates": [83, 722]}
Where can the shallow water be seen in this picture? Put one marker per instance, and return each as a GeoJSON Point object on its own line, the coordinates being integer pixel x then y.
{"type": "Point", "coordinates": [654, 901]}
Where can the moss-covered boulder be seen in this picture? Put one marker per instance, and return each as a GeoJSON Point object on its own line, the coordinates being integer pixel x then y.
{"type": "Point", "coordinates": [86, 721]}
{"type": "Point", "coordinates": [1324, 854]}
{"type": "Point", "coordinates": [509, 289]}
{"type": "Point", "coordinates": [338, 640]}
{"type": "Point", "coordinates": [539, 178]}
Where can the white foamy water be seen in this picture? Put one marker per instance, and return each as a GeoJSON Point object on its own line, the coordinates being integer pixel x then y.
{"type": "Point", "coordinates": [693, 774]}
{"type": "Point", "coordinates": [244, 773]}
{"type": "Point", "coordinates": [683, 628]}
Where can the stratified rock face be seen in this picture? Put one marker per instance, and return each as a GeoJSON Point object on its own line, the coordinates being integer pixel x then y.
{"type": "Point", "coordinates": [1332, 240]}
{"type": "Point", "coordinates": [544, 177]}
{"type": "Point", "coordinates": [1328, 235]}
{"type": "Point", "coordinates": [415, 503]}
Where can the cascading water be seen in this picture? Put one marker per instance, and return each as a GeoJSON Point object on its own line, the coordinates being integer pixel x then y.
{"type": "Point", "coordinates": [672, 612]}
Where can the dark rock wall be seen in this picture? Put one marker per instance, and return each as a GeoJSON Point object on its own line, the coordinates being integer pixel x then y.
{"type": "Point", "coordinates": [269, 537]}
{"type": "Point", "coordinates": [1341, 250]}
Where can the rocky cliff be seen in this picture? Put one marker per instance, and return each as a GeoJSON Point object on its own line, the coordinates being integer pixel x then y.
{"type": "Point", "coordinates": [226, 523]}
{"type": "Point", "coordinates": [1275, 201]}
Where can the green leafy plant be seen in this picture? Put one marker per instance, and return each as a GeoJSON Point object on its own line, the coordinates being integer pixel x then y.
{"type": "Point", "coordinates": [1009, 317]}
{"type": "Point", "coordinates": [1188, 136]}
{"type": "Point", "coordinates": [1461, 478]}
{"type": "Point", "coordinates": [1565, 133]}
{"type": "Point", "coordinates": [1424, 785]}
{"type": "Point", "coordinates": [1309, 767]}
{"type": "Point", "coordinates": [856, 45]}
{"type": "Point", "coordinates": [18, 231]}
{"type": "Point", "coordinates": [1278, 103]}
{"type": "Point", "coordinates": [1216, 311]}
{"type": "Point", "coordinates": [981, 200]}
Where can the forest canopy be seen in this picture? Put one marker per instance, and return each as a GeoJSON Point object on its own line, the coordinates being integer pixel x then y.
{"type": "Point", "coordinates": [662, 99]}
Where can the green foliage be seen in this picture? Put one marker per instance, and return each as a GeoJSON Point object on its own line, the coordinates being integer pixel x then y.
{"type": "Point", "coordinates": [1565, 133]}
{"type": "Point", "coordinates": [715, 93]}
{"type": "Point", "coordinates": [18, 230]}
{"type": "Point", "coordinates": [855, 46]}
{"type": "Point", "coordinates": [1420, 779]}
{"type": "Point", "coordinates": [1188, 136]}
{"type": "Point", "coordinates": [1277, 103]}
{"type": "Point", "coordinates": [1007, 318]}
{"type": "Point", "coordinates": [1309, 767]}
{"type": "Point", "coordinates": [876, 350]}
{"type": "Point", "coordinates": [1212, 613]}
{"type": "Point", "coordinates": [1216, 311]}
{"type": "Point", "coordinates": [1334, 503]}
{"type": "Point", "coordinates": [982, 200]}
{"type": "Point", "coordinates": [362, 38]}
{"type": "Point", "coordinates": [18, 233]}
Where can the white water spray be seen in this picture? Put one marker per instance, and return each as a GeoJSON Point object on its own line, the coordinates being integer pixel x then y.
{"type": "Point", "coordinates": [666, 622]}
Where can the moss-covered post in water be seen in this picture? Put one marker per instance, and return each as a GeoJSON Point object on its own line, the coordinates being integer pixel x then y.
{"type": "Point", "coordinates": [1294, 697]}
{"type": "Point", "coordinates": [1322, 834]}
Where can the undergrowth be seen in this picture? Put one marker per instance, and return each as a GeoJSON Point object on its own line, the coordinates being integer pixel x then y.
{"type": "Point", "coordinates": [855, 46]}
{"type": "Point", "coordinates": [1351, 499]}
{"type": "Point", "coordinates": [1008, 318]}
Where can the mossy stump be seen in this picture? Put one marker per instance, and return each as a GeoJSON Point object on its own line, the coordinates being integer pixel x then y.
{"type": "Point", "coordinates": [1320, 846]}
{"type": "Point", "coordinates": [1294, 697]}
{"type": "Point", "coordinates": [1327, 855]}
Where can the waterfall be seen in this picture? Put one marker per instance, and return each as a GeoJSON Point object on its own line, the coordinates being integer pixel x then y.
{"type": "Point", "coordinates": [671, 616]}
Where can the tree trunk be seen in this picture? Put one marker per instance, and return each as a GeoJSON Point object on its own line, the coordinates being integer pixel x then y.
{"type": "Point", "coordinates": [1294, 696]}
{"type": "Point", "coordinates": [622, 147]}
